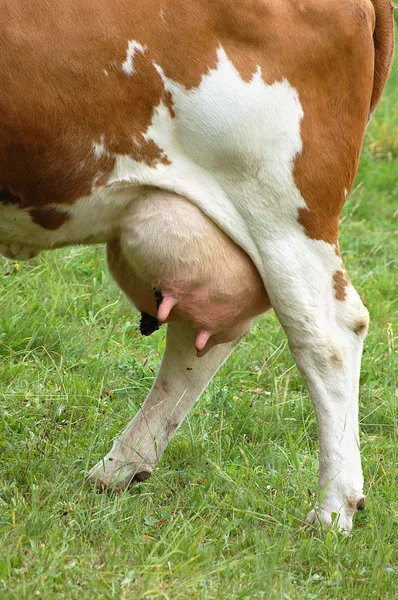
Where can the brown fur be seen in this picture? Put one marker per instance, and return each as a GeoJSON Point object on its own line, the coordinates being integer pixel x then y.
{"type": "Point", "coordinates": [49, 217]}
{"type": "Point", "coordinates": [341, 282]}
{"type": "Point", "coordinates": [56, 99]}
{"type": "Point", "coordinates": [361, 326]}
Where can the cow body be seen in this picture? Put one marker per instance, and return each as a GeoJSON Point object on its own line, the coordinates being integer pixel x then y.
{"type": "Point", "coordinates": [251, 111]}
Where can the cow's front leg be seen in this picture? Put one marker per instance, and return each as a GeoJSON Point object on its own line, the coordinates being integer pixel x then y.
{"type": "Point", "coordinates": [182, 378]}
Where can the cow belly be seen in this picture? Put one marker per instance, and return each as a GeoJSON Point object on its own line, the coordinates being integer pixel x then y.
{"type": "Point", "coordinates": [92, 219]}
{"type": "Point", "coordinates": [200, 276]}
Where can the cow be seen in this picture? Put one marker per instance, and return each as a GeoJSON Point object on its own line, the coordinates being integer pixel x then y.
{"type": "Point", "coordinates": [250, 116]}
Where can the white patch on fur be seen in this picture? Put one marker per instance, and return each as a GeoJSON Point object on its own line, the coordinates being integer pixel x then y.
{"type": "Point", "coordinates": [133, 48]}
{"type": "Point", "coordinates": [94, 219]}
{"type": "Point", "coordinates": [99, 148]}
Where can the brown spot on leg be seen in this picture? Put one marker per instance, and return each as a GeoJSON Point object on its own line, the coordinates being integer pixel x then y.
{"type": "Point", "coordinates": [49, 218]}
{"type": "Point", "coordinates": [340, 283]}
{"type": "Point", "coordinates": [336, 359]}
{"type": "Point", "coordinates": [361, 326]}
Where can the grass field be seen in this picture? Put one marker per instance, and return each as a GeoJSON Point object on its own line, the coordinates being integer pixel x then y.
{"type": "Point", "coordinates": [221, 518]}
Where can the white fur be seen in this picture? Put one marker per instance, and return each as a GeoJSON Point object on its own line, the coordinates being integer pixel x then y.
{"type": "Point", "coordinates": [133, 48]}
{"type": "Point", "coordinates": [94, 219]}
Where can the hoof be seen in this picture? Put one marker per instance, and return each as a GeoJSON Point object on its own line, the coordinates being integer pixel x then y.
{"type": "Point", "coordinates": [340, 517]}
{"type": "Point", "coordinates": [114, 475]}
{"type": "Point", "coordinates": [341, 520]}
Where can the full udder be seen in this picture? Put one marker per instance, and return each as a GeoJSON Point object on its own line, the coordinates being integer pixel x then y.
{"type": "Point", "coordinates": [174, 263]}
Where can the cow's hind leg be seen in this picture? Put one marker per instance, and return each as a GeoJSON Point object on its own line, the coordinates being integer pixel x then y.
{"type": "Point", "coordinates": [326, 323]}
{"type": "Point", "coordinates": [181, 379]}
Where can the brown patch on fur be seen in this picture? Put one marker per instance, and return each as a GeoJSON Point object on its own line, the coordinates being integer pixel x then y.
{"type": "Point", "coordinates": [317, 226]}
{"type": "Point", "coordinates": [49, 217]}
{"type": "Point", "coordinates": [335, 115]}
{"type": "Point", "coordinates": [341, 281]}
{"type": "Point", "coordinates": [334, 121]}
{"type": "Point", "coordinates": [168, 100]}
{"type": "Point", "coordinates": [47, 138]}
{"type": "Point", "coordinates": [361, 326]}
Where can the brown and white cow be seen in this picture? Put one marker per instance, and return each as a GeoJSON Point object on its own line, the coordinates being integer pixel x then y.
{"type": "Point", "coordinates": [210, 144]}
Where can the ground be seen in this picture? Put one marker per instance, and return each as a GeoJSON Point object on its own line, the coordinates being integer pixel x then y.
{"type": "Point", "coordinates": [221, 518]}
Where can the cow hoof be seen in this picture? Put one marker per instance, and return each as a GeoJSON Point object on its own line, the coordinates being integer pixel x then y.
{"type": "Point", "coordinates": [323, 518]}
{"type": "Point", "coordinates": [341, 519]}
{"type": "Point", "coordinates": [112, 474]}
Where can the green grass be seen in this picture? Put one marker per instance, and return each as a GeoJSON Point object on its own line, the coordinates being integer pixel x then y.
{"type": "Point", "coordinates": [222, 515]}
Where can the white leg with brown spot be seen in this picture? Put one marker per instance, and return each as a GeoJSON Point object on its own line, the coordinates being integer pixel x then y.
{"type": "Point", "coordinates": [333, 386]}
{"type": "Point", "coordinates": [181, 379]}
{"type": "Point", "coordinates": [325, 337]}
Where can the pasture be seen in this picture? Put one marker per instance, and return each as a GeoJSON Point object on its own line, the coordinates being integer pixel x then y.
{"type": "Point", "coordinates": [221, 518]}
